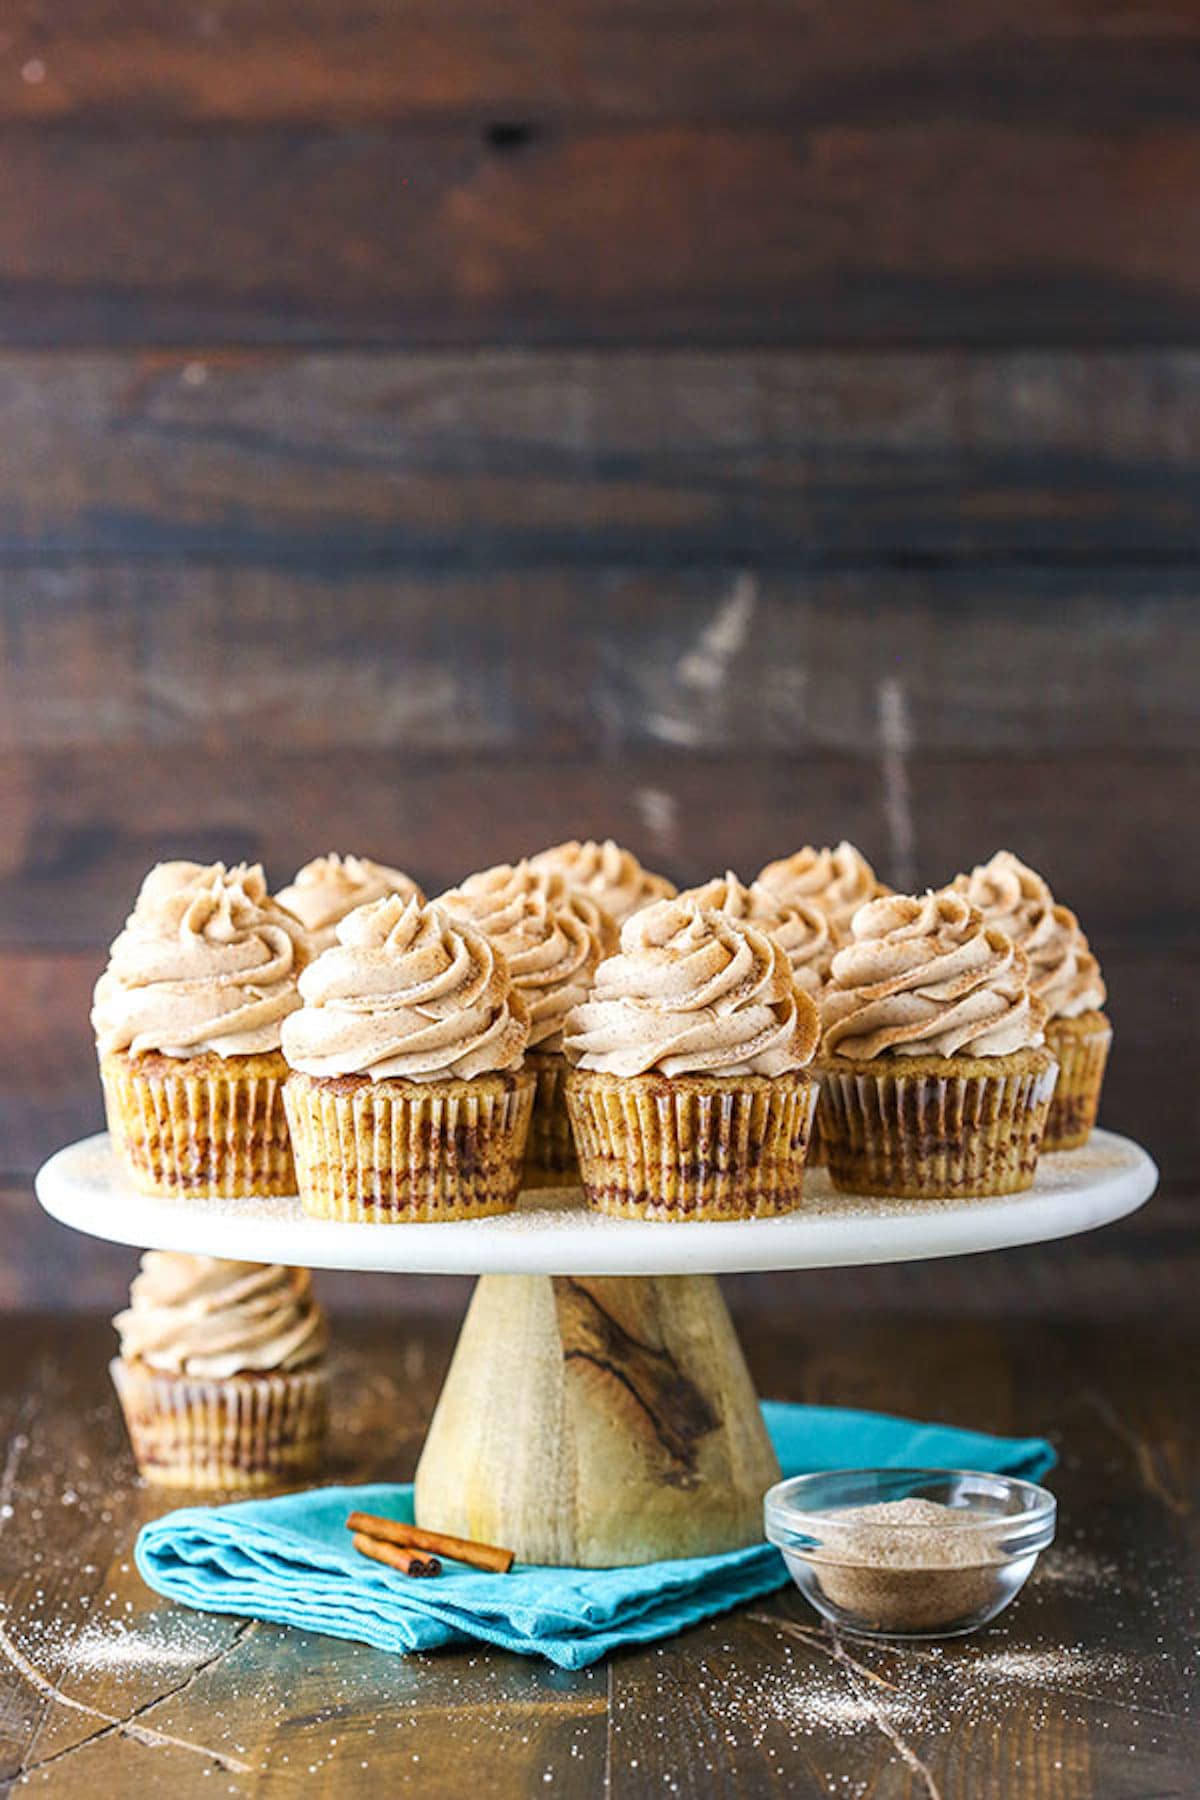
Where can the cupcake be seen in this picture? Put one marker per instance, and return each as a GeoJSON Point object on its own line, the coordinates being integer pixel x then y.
{"type": "Point", "coordinates": [935, 1079]}
{"type": "Point", "coordinates": [327, 888]}
{"type": "Point", "coordinates": [837, 881]}
{"type": "Point", "coordinates": [406, 1096]}
{"type": "Point", "coordinates": [609, 874]}
{"type": "Point", "coordinates": [688, 1093]}
{"type": "Point", "coordinates": [1064, 975]}
{"type": "Point", "coordinates": [803, 933]}
{"type": "Point", "coordinates": [553, 938]}
{"type": "Point", "coordinates": [221, 1375]}
{"type": "Point", "coordinates": [165, 879]}
{"type": "Point", "coordinates": [801, 930]}
{"type": "Point", "coordinates": [187, 1017]}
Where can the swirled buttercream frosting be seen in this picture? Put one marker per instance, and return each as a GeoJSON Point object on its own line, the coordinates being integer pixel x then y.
{"type": "Point", "coordinates": [165, 879]}
{"type": "Point", "coordinates": [693, 991]}
{"type": "Point", "coordinates": [207, 961]}
{"type": "Point", "coordinates": [925, 976]}
{"type": "Point", "coordinates": [327, 888]}
{"type": "Point", "coordinates": [1063, 972]}
{"type": "Point", "coordinates": [407, 991]}
{"type": "Point", "coordinates": [608, 873]}
{"type": "Point", "coordinates": [800, 929]}
{"type": "Point", "coordinates": [550, 935]}
{"type": "Point", "coordinates": [204, 1316]}
{"type": "Point", "coordinates": [839, 881]}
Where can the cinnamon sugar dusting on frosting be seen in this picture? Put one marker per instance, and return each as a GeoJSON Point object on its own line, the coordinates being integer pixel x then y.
{"type": "Point", "coordinates": [407, 991]}
{"type": "Point", "coordinates": [611, 874]}
{"type": "Point", "coordinates": [207, 961]}
{"type": "Point", "coordinates": [552, 937]}
{"type": "Point", "coordinates": [802, 931]}
{"type": "Point", "coordinates": [838, 881]}
{"type": "Point", "coordinates": [1064, 974]}
{"type": "Point", "coordinates": [327, 888]}
{"type": "Point", "coordinates": [693, 991]}
{"type": "Point", "coordinates": [924, 975]}
{"type": "Point", "coordinates": [208, 1316]}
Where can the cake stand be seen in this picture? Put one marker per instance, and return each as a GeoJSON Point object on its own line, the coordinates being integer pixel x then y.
{"type": "Point", "coordinates": [598, 1410]}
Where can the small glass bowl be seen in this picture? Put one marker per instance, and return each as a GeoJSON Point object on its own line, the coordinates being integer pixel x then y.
{"type": "Point", "coordinates": [897, 1580]}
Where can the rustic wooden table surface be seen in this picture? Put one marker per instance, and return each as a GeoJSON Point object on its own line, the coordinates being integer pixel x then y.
{"type": "Point", "coordinates": [1082, 1689]}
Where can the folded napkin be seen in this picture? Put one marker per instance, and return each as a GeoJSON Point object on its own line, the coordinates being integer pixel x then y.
{"type": "Point", "coordinates": [289, 1560]}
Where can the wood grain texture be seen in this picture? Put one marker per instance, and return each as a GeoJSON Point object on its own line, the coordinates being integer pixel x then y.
{"type": "Point", "coordinates": [83, 827]}
{"type": "Point", "coordinates": [596, 1423]}
{"type": "Point", "coordinates": [466, 62]}
{"type": "Point", "coordinates": [498, 458]}
{"type": "Point", "coordinates": [915, 230]}
{"type": "Point", "coordinates": [597, 662]}
{"type": "Point", "coordinates": [1081, 1692]}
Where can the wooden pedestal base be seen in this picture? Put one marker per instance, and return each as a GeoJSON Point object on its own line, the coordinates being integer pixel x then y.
{"type": "Point", "coordinates": [597, 1421]}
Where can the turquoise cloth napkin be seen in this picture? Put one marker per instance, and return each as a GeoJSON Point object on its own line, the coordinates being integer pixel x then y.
{"type": "Point", "coordinates": [289, 1560]}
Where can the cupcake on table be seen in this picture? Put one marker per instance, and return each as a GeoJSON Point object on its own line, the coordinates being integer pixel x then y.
{"type": "Point", "coordinates": [187, 1017]}
{"type": "Point", "coordinates": [1064, 975]}
{"type": "Point", "coordinates": [221, 1375]}
{"type": "Point", "coordinates": [327, 888]}
{"type": "Point", "coordinates": [688, 1093]}
{"type": "Point", "coordinates": [553, 938]}
{"type": "Point", "coordinates": [608, 873]}
{"type": "Point", "coordinates": [935, 1078]}
{"type": "Point", "coordinates": [407, 1096]}
{"type": "Point", "coordinates": [837, 881]}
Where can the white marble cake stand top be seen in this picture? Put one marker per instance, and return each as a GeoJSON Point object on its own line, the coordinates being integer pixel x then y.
{"type": "Point", "coordinates": [552, 1233]}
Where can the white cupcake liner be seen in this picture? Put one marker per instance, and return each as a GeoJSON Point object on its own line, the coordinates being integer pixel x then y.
{"type": "Point", "coordinates": [1082, 1058]}
{"type": "Point", "coordinates": [246, 1431]}
{"type": "Point", "coordinates": [693, 1147]}
{"type": "Point", "coordinates": [919, 1135]}
{"type": "Point", "coordinates": [202, 1129]}
{"type": "Point", "coordinates": [395, 1152]}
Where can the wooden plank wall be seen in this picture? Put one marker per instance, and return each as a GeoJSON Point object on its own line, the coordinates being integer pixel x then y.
{"type": "Point", "coordinates": [439, 430]}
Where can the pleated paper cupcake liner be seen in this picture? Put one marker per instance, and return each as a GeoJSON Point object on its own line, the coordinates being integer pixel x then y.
{"type": "Point", "coordinates": [691, 1147]}
{"type": "Point", "coordinates": [247, 1431]}
{"type": "Point", "coordinates": [815, 1157]}
{"type": "Point", "coordinates": [408, 1151]}
{"type": "Point", "coordinates": [924, 1134]}
{"type": "Point", "coordinates": [200, 1128]}
{"type": "Point", "coordinates": [550, 1159]}
{"type": "Point", "coordinates": [1081, 1047]}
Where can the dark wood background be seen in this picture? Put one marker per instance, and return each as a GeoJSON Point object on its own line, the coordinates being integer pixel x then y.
{"type": "Point", "coordinates": [433, 431]}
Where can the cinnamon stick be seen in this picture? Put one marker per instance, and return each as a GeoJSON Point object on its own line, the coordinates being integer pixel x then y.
{"type": "Point", "coordinates": [409, 1562]}
{"type": "Point", "coordinates": [437, 1543]}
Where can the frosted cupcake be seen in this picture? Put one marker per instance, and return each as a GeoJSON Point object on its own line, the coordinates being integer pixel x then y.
{"type": "Point", "coordinates": [327, 888]}
{"type": "Point", "coordinates": [407, 1098]}
{"type": "Point", "coordinates": [608, 873]}
{"type": "Point", "coordinates": [935, 1079]}
{"type": "Point", "coordinates": [221, 1375]}
{"type": "Point", "coordinates": [802, 931]}
{"type": "Point", "coordinates": [838, 881]}
{"type": "Point", "coordinates": [553, 939]}
{"type": "Point", "coordinates": [187, 1017]}
{"type": "Point", "coordinates": [1064, 975]}
{"type": "Point", "coordinates": [688, 1092]}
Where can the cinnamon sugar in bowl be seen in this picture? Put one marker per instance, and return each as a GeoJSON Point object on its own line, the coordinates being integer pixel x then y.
{"type": "Point", "coordinates": [899, 1553]}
